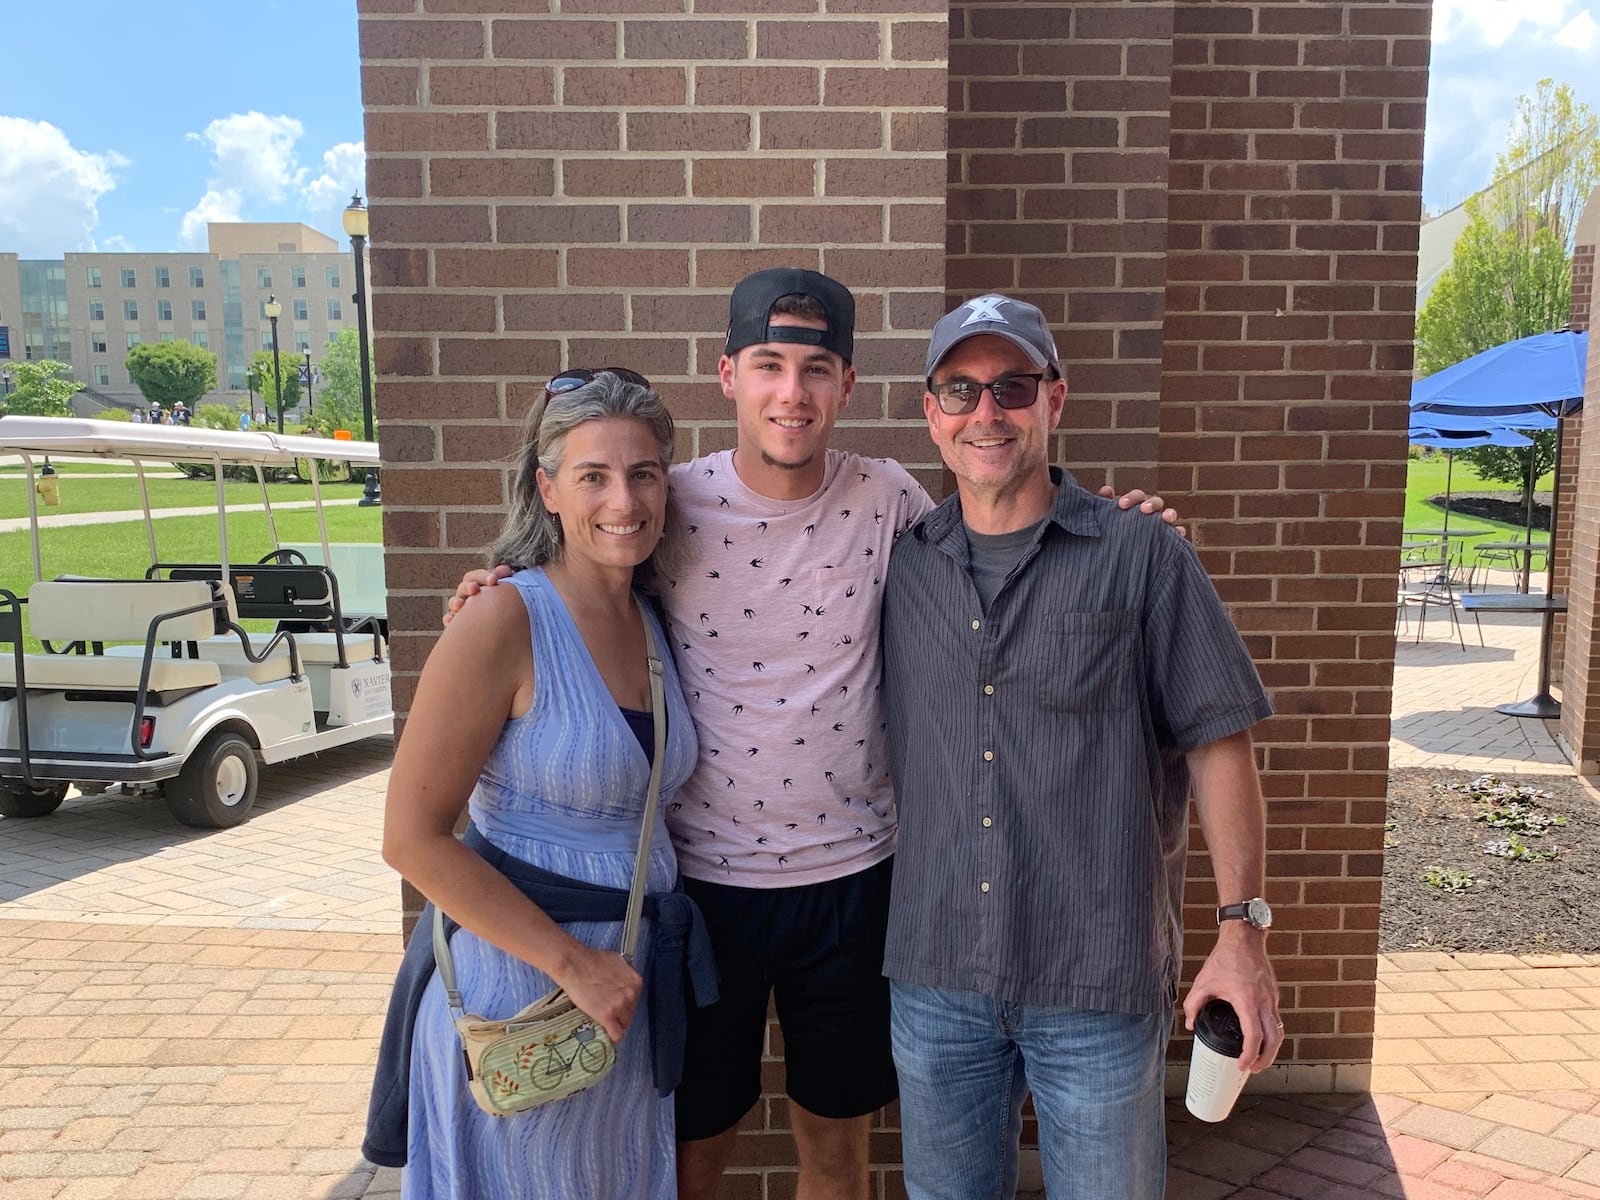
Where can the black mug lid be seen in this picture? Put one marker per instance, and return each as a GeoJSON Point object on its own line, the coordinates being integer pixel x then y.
{"type": "Point", "coordinates": [1218, 1027]}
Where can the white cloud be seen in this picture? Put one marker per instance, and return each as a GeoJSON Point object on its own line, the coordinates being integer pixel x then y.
{"type": "Point", "coordinates": [1578, 33]}
{"type": "Point", "coordinates": [252, 162]}
{"type": "Point", "coordinates": [224, 205]}
{"type": "Point", "coordinates": [344, 172]}
{"type": "Point", "coordinates": [118, 244]}
{"type": "Point", "coordinates": [1494, 22]}
{"type": "Point", "coordinates": [50, 190]}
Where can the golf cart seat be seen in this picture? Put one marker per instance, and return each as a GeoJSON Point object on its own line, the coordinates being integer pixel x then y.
{"type": "Point", "coordinates": [316, 649]}
{"type": "Point", "coordinates": [86, 614]}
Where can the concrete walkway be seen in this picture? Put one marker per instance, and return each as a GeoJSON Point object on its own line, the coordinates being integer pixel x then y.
{"type": "Point", "coordinates": [13, 524]}
{"type": "Point", "coordinates": [189, 1015]}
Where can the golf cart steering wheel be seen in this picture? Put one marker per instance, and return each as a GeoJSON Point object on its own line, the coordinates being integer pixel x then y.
{"type": "Point", "coordinates": [282, 556]}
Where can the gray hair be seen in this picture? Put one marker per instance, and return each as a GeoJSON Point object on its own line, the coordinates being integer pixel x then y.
{"type": "Point", "coordinates": [531, 535]}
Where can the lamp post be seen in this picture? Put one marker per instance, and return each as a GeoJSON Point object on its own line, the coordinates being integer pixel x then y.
{"type": "Point", "coordinates": [250, 383]}
{"type": "Point", "coordinates": [273, 311]}
{"type": "Point", "coordinates": [355, 224]}
{"type": "Point", "coordinates": [311, 403]}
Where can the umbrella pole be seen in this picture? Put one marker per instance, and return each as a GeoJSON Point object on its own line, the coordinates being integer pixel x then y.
{"type": "Point", "coordinates": [1543, 705]}
{"type": "Point", "coordinates": [1527, 517]}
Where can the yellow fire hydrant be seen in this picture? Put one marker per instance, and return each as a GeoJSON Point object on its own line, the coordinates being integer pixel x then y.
{"type": "Point", "coordinates": [48, 486]}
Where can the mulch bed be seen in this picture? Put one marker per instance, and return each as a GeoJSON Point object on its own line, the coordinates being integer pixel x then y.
{"type": "Point", "coordinates": [1485, 902]}
{"type": "Point", "coordinates": [1498, 506]}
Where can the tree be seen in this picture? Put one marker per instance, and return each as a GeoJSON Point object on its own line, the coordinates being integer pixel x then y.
{"type": "Point", "coordinates": [167, 372]}
{"type": "Point", "coordinates": [261, 365]}
{"type": "Point", "coordinates": [338, 399]}
{"type": "Point", "coordinates": [39, 389]}
{"type": "Point", "coordinates": [1511, 273]}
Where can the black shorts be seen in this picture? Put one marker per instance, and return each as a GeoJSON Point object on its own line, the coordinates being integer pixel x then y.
{"type": "Point", "coordinates": [817, 950]}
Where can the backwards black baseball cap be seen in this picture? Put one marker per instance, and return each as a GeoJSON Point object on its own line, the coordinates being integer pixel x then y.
{"type": "Point", "coordinates": [751, 308]}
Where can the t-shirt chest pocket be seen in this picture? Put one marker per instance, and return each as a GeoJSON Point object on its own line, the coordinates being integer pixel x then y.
{"type": "Point", "coordinates": [1083, 661]}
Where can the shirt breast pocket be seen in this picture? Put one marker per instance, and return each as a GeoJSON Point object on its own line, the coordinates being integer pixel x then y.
{"type": "Point", "coordinates": [1084, 661]}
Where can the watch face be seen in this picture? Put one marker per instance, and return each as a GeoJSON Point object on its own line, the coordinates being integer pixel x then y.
{"type": "Point", "coordinates": [1260, 913]}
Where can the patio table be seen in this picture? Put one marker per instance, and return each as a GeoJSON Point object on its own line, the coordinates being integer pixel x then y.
{"type": "Point", "coordinates": [1543, 704]}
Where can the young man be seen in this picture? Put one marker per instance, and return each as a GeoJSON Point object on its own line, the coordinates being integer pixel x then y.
{"type": "Point", "coordinates": [1058, 673]}
{"type": "Point", "coordinates": [785, 832]}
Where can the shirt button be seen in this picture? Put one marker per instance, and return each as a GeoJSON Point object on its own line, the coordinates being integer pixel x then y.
{"type": "Point", "coordinates": [975, 624]}
{"type": "Point", "coordinates": [983, 887]}
{"type": "Point", "coordinates": [988, 689]}
{"type": "Point", "coordinates": [987, 822]}
{"type": "Point", "coordinates": [988, 756]}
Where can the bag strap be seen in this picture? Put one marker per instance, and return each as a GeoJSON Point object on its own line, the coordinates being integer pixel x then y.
{"type": "Point", "coordinates": [641, 863]}
{"type": "Point", "coordinates": [641, 860]}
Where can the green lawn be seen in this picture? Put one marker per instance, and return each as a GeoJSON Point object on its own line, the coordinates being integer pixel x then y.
{"type": "Point", "coordinates": [1426, 477]}
{"type": "Point", "coordinates": [81, 494]}
{"type": "Point", "coordinates": [118, 551]}
{"type": "Point", "coordinates": [88, 468]}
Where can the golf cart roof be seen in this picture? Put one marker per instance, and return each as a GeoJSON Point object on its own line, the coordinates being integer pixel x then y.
{"type": "Point", "coordinates": [122, 439]}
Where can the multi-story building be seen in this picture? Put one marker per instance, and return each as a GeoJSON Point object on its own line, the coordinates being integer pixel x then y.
{"type": "Point", "coordinates": [89, 309]}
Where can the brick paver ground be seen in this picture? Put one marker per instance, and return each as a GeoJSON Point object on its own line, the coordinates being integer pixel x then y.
{"type": "Point", "coordinates": [190, 1015]}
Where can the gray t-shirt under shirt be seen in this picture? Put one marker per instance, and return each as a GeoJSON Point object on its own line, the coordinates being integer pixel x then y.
{"type": "Point", "coordinates": [994, 556]}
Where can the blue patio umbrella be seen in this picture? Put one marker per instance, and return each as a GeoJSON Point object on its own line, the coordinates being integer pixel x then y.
{"type": "Point", "coordinates": [1544, 375]}
{"type": "Point", "coordinates": [1461, 439]}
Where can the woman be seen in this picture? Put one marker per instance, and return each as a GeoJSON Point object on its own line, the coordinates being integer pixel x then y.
{"type": "Point", "coordinates": [533, 712]}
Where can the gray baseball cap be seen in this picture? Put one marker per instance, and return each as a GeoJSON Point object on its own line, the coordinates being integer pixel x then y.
{"type": "Point", "coordinates": [1015, 320]}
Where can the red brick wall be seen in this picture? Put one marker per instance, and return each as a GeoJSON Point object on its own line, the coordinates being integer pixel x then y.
{"type": "Point", "coordinates": [1058, 167]}
{"type": "Point", "coordinates": [1567, 493]}
{"type": "Point", "coordinates": [1294, 201]}
{"type": "Point", "coordinates": [1578, 565]}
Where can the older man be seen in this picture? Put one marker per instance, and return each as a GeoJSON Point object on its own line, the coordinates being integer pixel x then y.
{"type": "Point", "coordinates": [1058, 675]}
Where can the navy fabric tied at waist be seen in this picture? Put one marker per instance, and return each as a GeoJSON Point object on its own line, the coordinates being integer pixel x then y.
{"type": "Point", "coordinates": [681, 964]}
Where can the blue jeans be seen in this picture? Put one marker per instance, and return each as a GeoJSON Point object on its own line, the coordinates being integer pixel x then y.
{"type": "Point", "coordinates": [965, 1062]}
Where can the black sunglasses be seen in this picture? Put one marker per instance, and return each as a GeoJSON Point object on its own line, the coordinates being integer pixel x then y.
{"type": "Point", "coordinates": [959, 396]}
{"type": "Point", "coordinates": [574, 378]}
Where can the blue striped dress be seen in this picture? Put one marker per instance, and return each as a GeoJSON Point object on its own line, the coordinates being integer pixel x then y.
{"type": "Point", "coordinates": [564, 789]}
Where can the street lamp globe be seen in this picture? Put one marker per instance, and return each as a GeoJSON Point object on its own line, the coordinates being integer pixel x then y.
{"type": "Point", "coordinates": [355, 217]}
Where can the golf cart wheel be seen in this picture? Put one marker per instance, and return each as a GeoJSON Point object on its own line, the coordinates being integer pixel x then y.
{"type": "Point", "coordinates": [19, 800]}
{"type": "Point", "coordinates": [217, 785]}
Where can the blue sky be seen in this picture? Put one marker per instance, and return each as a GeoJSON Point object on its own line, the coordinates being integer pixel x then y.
{"type": "Point", "coordinates": [252, 111]}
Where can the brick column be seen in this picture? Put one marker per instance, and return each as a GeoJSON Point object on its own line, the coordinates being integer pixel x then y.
{"type": "Point", "coordinates": [584, 188]}
{"type": "Point", "coordinates": [1578, 569]}
{"type": "Point", "coordinates": [1294, 207]}
{"type": "Point", "coordinates": [1566, 488]}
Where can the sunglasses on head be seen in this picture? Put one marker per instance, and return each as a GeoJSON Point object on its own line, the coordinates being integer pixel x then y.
{"type": "Point", "coordinates": [959, 396]}
{"type": "Point", "coordinates": [574, 378]}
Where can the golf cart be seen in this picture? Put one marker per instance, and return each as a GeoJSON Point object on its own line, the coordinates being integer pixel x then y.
{"type": "Point", "coordinates": [154, 684]}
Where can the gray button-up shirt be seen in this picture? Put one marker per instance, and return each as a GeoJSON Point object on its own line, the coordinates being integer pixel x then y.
{"type": "Point", "coordinates": [1038, 754]}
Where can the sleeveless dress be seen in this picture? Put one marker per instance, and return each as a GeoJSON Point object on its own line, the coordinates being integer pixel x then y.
{"type": "Point", "coordinates": [564, 789]}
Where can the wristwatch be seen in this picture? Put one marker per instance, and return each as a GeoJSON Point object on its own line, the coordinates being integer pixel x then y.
{"type": "Point", "coordinates": [1256, 912]}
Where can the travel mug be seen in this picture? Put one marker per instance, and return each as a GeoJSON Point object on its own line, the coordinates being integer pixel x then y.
{"type": "Point", "coordinates": [1216, 1076]}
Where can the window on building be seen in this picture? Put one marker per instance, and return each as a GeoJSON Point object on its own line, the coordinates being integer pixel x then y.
{"type": "Point", "coordinates": [163, 278]}
{"type": "Point", "coordinates": [94, 276]}
{"type": "Point", "coordinates": [130, 310]}
{"type": "Point", "coordinates": [102, 375]}
{"type": "Point", "coordinates": [97, 310]}
{"type": "Point", "coordinates": [266, 339]}
{"type": "Point", "coordinates": [335, 310]}
{"type": "Point", "coordinates": [128, 278]}
{"type": "Point", "coordinates": [197, 277]}
{"type": "Point", "coordinates": [97, 341]}
{"type": "Point", "coordinates": [297, 277]}
{"type": "Point", "coordinates": [332, 276]}
{"type": "Point", "coordinates": [133, 339]}
{"type": "Point", "coordinates": [302, 311]}
{"type": "Point", "coordinates": [333, 336]}
{"type": "Point", "coordinates": [197, 310]}
{"type": "Point", "coordinates": [201, 338]}
{"type": "Point", "coordinates": [264, 277]}
{"type": "Point", "coordinates": [169, 337]}
{"type": "Point", "coordinates": [163, 310]}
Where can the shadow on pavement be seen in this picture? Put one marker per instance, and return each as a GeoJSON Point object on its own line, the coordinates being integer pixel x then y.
{"type": "Point", "coordinates": [88, 833]}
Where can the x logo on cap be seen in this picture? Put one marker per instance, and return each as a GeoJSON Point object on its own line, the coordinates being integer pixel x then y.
{"type": "Point", "coordinates": [986, 308]}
